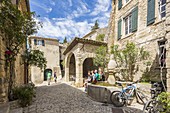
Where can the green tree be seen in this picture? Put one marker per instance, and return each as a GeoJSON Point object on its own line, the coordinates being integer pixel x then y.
{"type": "Point", "coordinates": [100, 37]}
{"type": "Point", "coordinates": [65, 40]}
{"type": "Point", "coordinates": [102, 57]}
{"type": "Point", "coordinates": [96, 26]}
{"type": "Point", "coordinates": [127, 59]}
{"type": "Point", "coordinates": [15, 27]}
{"type": "Point", "coordinates": [35, 58]}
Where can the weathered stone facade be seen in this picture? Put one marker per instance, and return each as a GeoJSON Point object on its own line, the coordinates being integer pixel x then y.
{"type": "Point", "coordinates": [19, 69]}
{"type": "Point", "coordinates": [168, 39]}
{"type": "Point", "coordinates": [149, 36]}
{"type": "Point", "coordinates": [79, 54]}
{"type": "Point", "coordinates": [50, 47]}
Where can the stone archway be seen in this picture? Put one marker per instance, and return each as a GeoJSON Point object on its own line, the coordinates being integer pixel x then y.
{"type": "Point", "coordinates": [72, 68]}
{"type": "Point", "coordinates": [46, 71]}
{"type": "Point", "coordinates": [78, 59]}
{"type": "Point", "coordinates": [87, 66]}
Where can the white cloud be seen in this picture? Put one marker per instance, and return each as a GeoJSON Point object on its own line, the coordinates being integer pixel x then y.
{"type": "Point", "coordinates": [70, 26]}
{"type": "Point", "coordinates": [42, 6]}
{"type": "Point", "coordinates": [101, 6]}
{"type": "Point", "coordinates": [52, 2]}
{"type": "Point", "coordinates": [70, 2]}
{"type": "Point", "coordinates": [79, 11]}
{"type": "Point", "coordinates": [63, 28]}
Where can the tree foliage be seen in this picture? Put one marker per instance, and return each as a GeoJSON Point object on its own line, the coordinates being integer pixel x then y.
{"type": "Point", "coordinates": [102, 57]}
{"type": "Point", "coordinates": [164, 100]}
{"type": "Point", "coordinates": [65, 40]}
{"type": "Point", "coordinates": [15, 26]}
{"type": "Point", "coordinates": [127, 59]}
{"type": "Point", "coordinates": [35, 58]}
{"type": "Point", "coordinates": [100, 37]}
{"type": "Point", "coordinates": [96, 26]}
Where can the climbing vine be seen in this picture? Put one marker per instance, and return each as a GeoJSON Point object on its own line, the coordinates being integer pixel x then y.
{"type": "Point", "coordinates": [15, 27]}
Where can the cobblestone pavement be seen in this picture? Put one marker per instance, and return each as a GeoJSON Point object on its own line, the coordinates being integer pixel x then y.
{"type": "Point", "coordinates": [62, 98]}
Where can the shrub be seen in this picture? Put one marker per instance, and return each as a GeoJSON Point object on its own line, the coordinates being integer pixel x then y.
{"type": "Point", "coordinates": [24, 94]}
{"type": "Point", "coordinates": [164, 99]}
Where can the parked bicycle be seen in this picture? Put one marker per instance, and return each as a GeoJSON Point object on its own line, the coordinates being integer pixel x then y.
{"type": "Point", "coordinates": [153, 105]}
{"type": "Point", "coordinates": [127, 95]}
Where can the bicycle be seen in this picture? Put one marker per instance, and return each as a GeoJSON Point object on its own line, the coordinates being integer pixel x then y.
{"type": "Point", "coordinates": [153, 105]}
{"type": "Point", "coordinates": [127, 94]}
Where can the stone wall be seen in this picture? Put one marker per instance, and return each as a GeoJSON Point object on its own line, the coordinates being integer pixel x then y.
{"type": "Point", "coordinates": [3, 82]}
{"type": "Point", "coordinates": [19, 69]}
{"type": "Point", "coordinates": [52, 55]}
{"type": "Point", "coordinates": [168, 47]}
{"type": "Point", "coordinates": [145, 36]}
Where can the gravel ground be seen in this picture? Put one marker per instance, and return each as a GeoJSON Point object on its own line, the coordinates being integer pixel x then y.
{"type": "Point", "coordinates": [63, 98]}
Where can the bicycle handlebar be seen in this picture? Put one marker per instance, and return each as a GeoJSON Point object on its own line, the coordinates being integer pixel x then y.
{"type": "Point", "coordinates": [120, 84]}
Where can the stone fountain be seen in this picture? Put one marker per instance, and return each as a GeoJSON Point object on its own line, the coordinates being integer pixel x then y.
{"type": "Point", "coordinates": [112, 70]}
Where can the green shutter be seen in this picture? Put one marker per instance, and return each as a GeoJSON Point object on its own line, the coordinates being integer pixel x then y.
{"type": "Point", "coordinates": [119, 4]}
{"type": "Point", "coordinates": [119, 29]}
{"type": "Point", "coordinates": [135, 19]}
{"type": "Point", "coordinates": [151, 12]}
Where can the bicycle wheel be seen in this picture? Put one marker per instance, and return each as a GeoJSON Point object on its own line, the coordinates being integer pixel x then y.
{"type": "Point", "coordinates": [117, 98]}
{"type": "Point", "coordinates": [141, 98]}
{"type": "Point", "coordinates": [151, 107]}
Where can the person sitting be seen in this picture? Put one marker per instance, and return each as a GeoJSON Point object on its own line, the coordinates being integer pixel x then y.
{"type": "Point", "coordinates": [102, 77]}
{"type": "Point", "coordinates": [88, 80]}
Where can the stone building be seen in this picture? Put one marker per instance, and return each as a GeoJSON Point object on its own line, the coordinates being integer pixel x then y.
{"type": "Point", "coordinates": [20, 77]}
{"type": "Point", "coordinates": [93, 34]}
{"type": "Point", "coordinates": [146, 23]}
{"type": "Point", "coordinates": [51, 49]}
{"type": "Point", "coordinates": [79, 56]}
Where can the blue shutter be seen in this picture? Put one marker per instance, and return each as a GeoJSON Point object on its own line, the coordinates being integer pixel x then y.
{"type": "Point", "coordinates": [119, 29]}
{"type": "Point", "coordinates": [135, 19]}
{"type": "Point", "coordinates": [35, 41]}
{"type": "Point", "coordinates": [119, 4]}
{"type": "Point", "coordinates": [151, 12]}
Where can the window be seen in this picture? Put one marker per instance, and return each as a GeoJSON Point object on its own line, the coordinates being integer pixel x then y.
{"type": "Point", "coordinates": [128, 24]}
{"type": "Point", "coordinates": [162, 53]}
{"type": "Point", "coordinates": [39, 42]}
{"type": "Point", "coordinates": [162, 8]}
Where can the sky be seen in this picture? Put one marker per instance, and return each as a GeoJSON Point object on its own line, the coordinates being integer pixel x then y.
{"type": "Point", "coordinates": [70, 18]}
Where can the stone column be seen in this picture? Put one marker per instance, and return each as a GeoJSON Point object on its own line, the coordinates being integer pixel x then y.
{"type": "Point", "coordinates": [79, 72]}
{"type": "Point", "coordinates": [66, 74]}
{"type": "Point", "coordinates": [168, 45]}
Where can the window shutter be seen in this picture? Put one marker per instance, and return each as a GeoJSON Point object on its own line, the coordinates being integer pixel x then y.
{"type": "Point", "coordinates": [119, 4]}
{"type": "Point", "coordinates": [43, 44]}
{"type": "Point", "coordinates": [119, 29]}
{"type": "Point", "coordinates": [151, 12]}
{"type": "Point", "coordinates": [135, 19]}
{"type": "Point", "coordinates": [35, 41]}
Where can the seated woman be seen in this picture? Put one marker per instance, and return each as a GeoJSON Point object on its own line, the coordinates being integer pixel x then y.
{"type": "Point", "coordinates": [88, 80]}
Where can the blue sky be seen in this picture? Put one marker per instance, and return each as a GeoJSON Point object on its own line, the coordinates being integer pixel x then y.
{"type": "Point", "coordinates": [70, 18]}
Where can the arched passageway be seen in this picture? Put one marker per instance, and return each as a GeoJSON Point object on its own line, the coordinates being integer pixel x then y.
{"type": "Point", "coordinates": [46, 71]}
{"type": "Point", "coordinates": [88, 66]}
{"type": "Point", "coordinates": [72, 68]}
